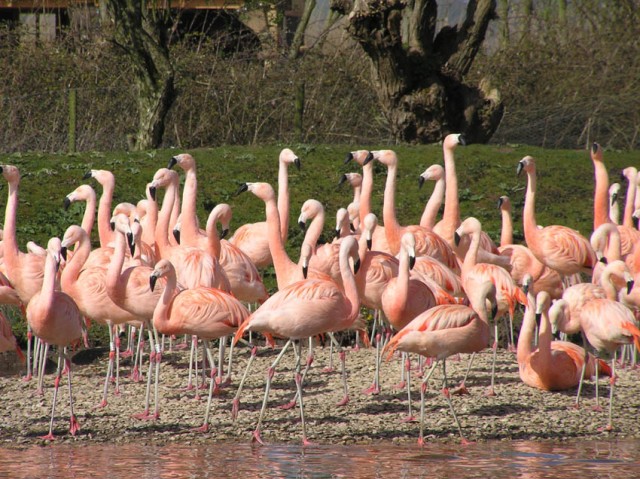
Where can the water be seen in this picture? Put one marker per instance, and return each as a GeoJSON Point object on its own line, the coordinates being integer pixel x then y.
{"type": "Point", "coordinates": [593, 459]}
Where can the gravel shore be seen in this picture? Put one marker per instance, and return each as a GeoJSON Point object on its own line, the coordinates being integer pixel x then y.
{"type": "Point", "coordinates": [516, 412]}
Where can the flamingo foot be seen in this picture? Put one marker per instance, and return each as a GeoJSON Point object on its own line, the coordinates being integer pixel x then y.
{"type": "Point", "coordinates": [39, 392]}
{"type": "Point", "coordinates": [306, 442]}
{"type": "Point", "coordinates": [511, 348]}
{"type": "Point", "coordinates": [189, 387]}
{"type": "Point", "coordinates": [421, 442]}
{"type": "Point", "coordinates": [126, 353]}
{"type": "Point", "coordinates": [102, 404]}
{"type": "Point", "coordinates": [328, 370]}
{"type": "Point", "coordinates": [117, 391]}
{"type": "Point", "coordinates": [466, 442]}
{"type": "Point", "coordinates": [235, 408]}
{"type": "Point", "coordinates": [257, 438]}
{"type": "Point", "coordinates": [74, 427]}
{"type": "Point", "coordinates": [460, 390]}
{"type": "Point", "coordinates": [135, 375]}
{"type": "Point", "coordinates": [356, 347]}
{"type": "Point", "coordinates": [344, 401]}
{"type": "Point", "coordinates": [408, 419]}
{"type": "Point", "coordinates": [204, 428]}
{"type": "Point", "coordinates": [607, 428]}
{"type": "Point", "coordinates": [490, 392]}
{"type": "Point", "coordinates": [27, 378]}
{"type": "Point", "coordinates": [373, 389]}
{"type": "Point", "coordinates": [226, 382]}
{"type": "Point", "coordinates": [48, 437]}
{"type": "Point", "coordinates": [180, 346]}
{"type": "Point", "coordinates": [143, 416]}
{"type": "Point", "coordinates": [288, 405]}
{"type": "Point", "coordinates": [197, 397]}
{"type": "Point", "coordinates": [401, 385]}
{"type": "Point", "coordinates": [597, 408]}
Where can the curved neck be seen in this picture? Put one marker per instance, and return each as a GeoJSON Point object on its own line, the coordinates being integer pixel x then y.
{"type": "Point", "coordinates": [471, 258]}
{"type": "Point", "coordinates": [164, 218]}
{"type": "Point", "coordinates": [527, 330]}
{"type": "Point", "coordinates": [149, 229]}
{"type": "Point", "coordinates": [349, 285]}
{"type": "Point", "coordinates": [366, 192]}
{"type": "Point", "coordinates": [357, 193]}
{"type": "Point", "coordinates": [114, 269]}
{"type": "Point", "coordinates": [89, 216]}
{"type": "Point", "coordinates": [402, 281]}
{"type": "Point", "coordinates": [161, 311]}
{"type": "Point", "coordinates": [506, 234]}
{"type": "Point", "coordinates": [45, 299]}
{"type": "Point", "coordinates": [213, 238]}
{"type": "Point", "coordinates": [428, 219]}
{"type": "Point", "coordinates": [544, 335]}
{"type": "Point", "coordinates": [629, 204]}
{"type": "Point", "coordinates": [104, 214]}
{"type": "Point", "coordinates": [608, 286]}
{"type": "Point", "coordinates": [281, 261]}
{"type": "Point", "coordinates": [601, 194]}
{"type": "Point", "coordinates": [73, 267]}
{"type": "Point", "coordinates": [315, 230]}
{"type": "Point", "coordinates": [10, 243]}
{"type": "Point", "coordinates": [529, 212]}
{"type": "Point", "coordinates": [391, 226]}
{"type": "Point", "coordinates": [283, 199]}
{"type": "Point", "coordinates": [189, 229]}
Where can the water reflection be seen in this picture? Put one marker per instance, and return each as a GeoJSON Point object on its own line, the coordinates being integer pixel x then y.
{"type": "Point", "coordinates": [492, 459]}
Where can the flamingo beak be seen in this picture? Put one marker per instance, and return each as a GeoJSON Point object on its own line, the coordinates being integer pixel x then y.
{"type": "Point", "coordinates": [305, 271]}
{"type": "Point", "coordinates": [348, 158]}
{"type": "Point", "coordinates": [630, 284]}
{"type": "Point", "coordinates": [456, 238]}
{"type": "Point", "coordinates": [302, 225]}
{"type": "Point", "coordinates": [225, 232]}
{"type": "Point", "coordinates": [112, 225]}
{"type": "Point", "coordinates": [519, 168]}
{"type": "Point", "coordinates": [66, 202]}
{"type": "Point", "coordinates": [462, 140]}
{"type": "Point", "coordinates": [352, 228]}
{"type": "Point", "coordinates": [500, 201]}
{"type": "Point", "coordinates": [297, 163]}
{"type": "Point", "coordinates": [132, 245]}
{"type": "Point", "coordinates": [63, 253]}
{"type": "Point", "coordinates": [614, 198]}
{"type": "Point", "coordinates": [594, 147]}
{"type": "Point", "coordinates": [87, 175]}
{"type": "Point", "coordinates": [412, 261]}
{"type": "Point", "coordinates": [243, 187]}
{"type": "Point", "coordinates": [176, 235]}
{"type": "Point", "coordinates": [152, 280]}
{"type": "Point", "coordinates": [356, 266]}
{"type": "Point", "coordinates": [420, 182]}
{"type": "Point", "coordinates": [336, 233]}
{"type": "Point", "coordinates": [368, 159]}
{"type": "Point", "coordinates": [152, 192]}
{"type": "Point", "coordinates": [369, 243]}
{"type": "Point", "coordinates": [172, 162]}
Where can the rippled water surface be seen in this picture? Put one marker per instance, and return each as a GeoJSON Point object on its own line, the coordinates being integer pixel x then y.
{"type": "Point", "coordinates": [493, 459]}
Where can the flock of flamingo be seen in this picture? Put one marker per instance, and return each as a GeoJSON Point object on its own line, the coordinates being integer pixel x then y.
{"type": "Point", "coordinates": [436, 289]}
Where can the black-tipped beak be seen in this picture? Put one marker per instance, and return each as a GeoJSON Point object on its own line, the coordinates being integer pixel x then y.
{"type": "Point", "coordinates": [66, 203]}
{"type": "Point", "coordinates": [305, 271]}
{"type": "Point", "coordinates": [57, 264]}
{"type": "Point", "coordinates": [63, 253]}
{"type": "Point", "coordinates": [500, 201]}
{"type": "Point", "coordinates": [519, 168]}
{"type": "Point", "coordinates": [152, 192]}
{"type": "Point", "coordinates": [348, 158]}
{"type": "Point", "coordinates": [342, 180]}
{"type": "Point", "coordinates": [87, 175]}
{"type": "Point", "coordinates": [368, 159]}
{"type": "Point", "coordinates": [296, 162]}
{"type": "Point", "coordinates": [243, 187]}
{"type": "Point", "coordinates": [604, 260]}
{"type": "Point", "coordinates": [356, 266]}
{"type": "Point", "coordinates": [172, 162]}
{"type": "Point", "coordinates": [132, 245]}
{"type": "Point", "coordinates": [614, 198]}
{"type": "Point", "coordinates": [302, 225]}
{"type": "Point", "coordinates": [412, 262]}
{"type": "Point", "coordinates": [462, 140]}
{"type": "Point", "coordinates": [629, 286]}
{"type": "Point", "coordinates": [336, 233]}
{"type": "Point", "coordinates": [456, 238]}
{"type": "Point", "coordinates": [525, 288]}
{"type": "Point", "coordinates": [352, 228]}
{"type": "Point", "coordinates": [637, 221]}
{"type": "Point", "coordinates": [420, 181]}
{"type": "Point", "coordinates": [622, 177]}
{"type": "Point", "coordinates": [494, 311]}
{"type": "Point", "coordinates": [594, 147]}
{"type": "Point", "coordinates": [556, 335]}
{"type": "Point", "coordinates": [369, 244]}
{"type": "Point", "coordinates": [152, 281]}
{"type": "Point", "coordinates": [538, 318]}
{"type": "Point", "coordinates": [136, 220]}
{"type": "Point", "coordinates": [224, 233]}
{"type": "Point", "coordinates": [176, 235]}
{"type": "Point", "coordinates": [112, 225]}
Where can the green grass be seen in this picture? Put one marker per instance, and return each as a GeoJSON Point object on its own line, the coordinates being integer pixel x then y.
{"type": "Point", "coordinates": [565, 185]}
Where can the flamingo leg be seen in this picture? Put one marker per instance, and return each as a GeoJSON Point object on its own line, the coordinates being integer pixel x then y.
{"type": "Point", "coordinates": [50, 436]}
{"type": "Point", "coordinates": [270, 373]}
{"type": "Point", "coordinates": [329, 368]}
{"type": "Point", "coordinates": [612, 382]}
{"type": "Point", "coordinates": [375, 386]}
{"type": "Point", "coordinates": [212, 382]}
{"type": "Point", "coordinates": [135, 371]}
{"type": "Point", "coordinates": [227, 379]}
{"type": "Point", "coordinates": [29, 342]}
{"type": "Point", "coordinates": [407, 365]}
{"type": "Point", "coordinates": [448, 398]}
{"type": "Point", "coordinates": [423, 389]}
{"type": "Point", "coordinates": [156, 413]}
{"type": "Point", "coordinates": [117, 360]}
{"type": "Point", "coordinates": [492, 391]}
{"type": "Point", "coordinates": [236, 400]}
{"type": "Point", "coordinates": [462, 389]}
{"type": "Point", "coordinates": [584, 368]}
{"type": "Point", "coordinates": [145, 414]}
{"type": "Point", "coordinates": [597, 407]}
{"type": "Point", "coordinates": [73, 426]}
{"type": "Point", "coordinates": [103, 403]}
{"type": "Point", "coordinates": [308, 364]}
{"type": "Point", "coordinates": [194, 340]}
{"type": "Point", "coordinates": [43, 350]}
{"type": "Point", "coordinates": [343, 361]}
{"type": "Point", "coordinates": [298, 378]}
{"type": "Point", "coordinates": [222, 344]}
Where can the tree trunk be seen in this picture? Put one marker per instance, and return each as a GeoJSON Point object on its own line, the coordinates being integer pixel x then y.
{"type": "Point", "coordinates": [143, 34]}
{"type": "Point", "coordinates": [419, 79]}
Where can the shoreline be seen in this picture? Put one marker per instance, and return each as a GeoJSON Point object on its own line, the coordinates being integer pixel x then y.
{"type": "Point", "coordinates": [516, 412]}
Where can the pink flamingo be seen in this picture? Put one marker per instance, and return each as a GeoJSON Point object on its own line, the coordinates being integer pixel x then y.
{"type": "Point", "coordinates": [304, 309]}
{"type": "Point", "coordinates": [87, 194]}
{"type": "Point", "coordinates": [252, 237]}
{"type": "Point", "coordinates": [558, 247]}
{"type": "Point", "coordinates": [427, 242]}
{"type": "Point", "coordinates": [56, 320]}
{"type": "Point", "coordinates": [25, 271]}
{"type": "Point", "coordinates": [208, 313]}
{"type": "Point", "coordinates": [8, 341]}
{"type": "Point", "coordinates": [445, 330]}
{"type": "Point", "coordinates": [108, 183]}
{"type": "Point", "coordinates": [601, 192]}
{"type": "Point", "coordinates": [614, 206]}
{"type": "Point", "coordinates": [433, 173]}
{"type": "Point", "coordinates": [474, 274]}
{"type": "Point", "coordinates": [553, 365]}
{"type": "Point", "coordinates": [629, 235]}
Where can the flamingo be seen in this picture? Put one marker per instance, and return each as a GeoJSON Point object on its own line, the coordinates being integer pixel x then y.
{"type": "Point", "coordinates": [433, 173]}
{"type": "Point", "coordinates": [444, 330]}
{"type": "Point", "coordinates": [427, 242]}
{"type": "Point", "coordinates": [601, 192]}
{"type": "Point", "coordinates": [614, 206]}
{"type": "Point", "coordinates": [25, 271]}
{"type": "Point", "coordinates": [108, 182]}
{"type": "Point", "coordinates": [208, 313]}
{"type": "Point", "coordinates": [474, 274]}
{"type": "Point", "coordinates": [304, 309]}
{"type": "Point", "coordinates": [252, 237]}
{"type": "Point", "coordinates": [558, 247]}
{"type": "Point", "coordinates": [629, 235]}
{"type": "Point", "coordinates": [55, 318]}
{"type": "Point", "coordinates": [553, 365]}
{"type": "Point", "coordinates": [87, 194]}
{"type": "Point", "coordinates": [8, 341]}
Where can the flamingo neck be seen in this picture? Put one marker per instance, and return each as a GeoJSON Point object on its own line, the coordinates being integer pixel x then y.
{"type": "Point", "coordinates": [114, 286]}
{"type": "Point", "coordinates": [161, 312]}
{"type": "Point", "coordinates": [544, 335]}
{"type": "Point", "coordinates": [391, 226]}
{"type": "Point", "coordinates": [506, 234]}
{"type": "Point", "coordinates": [104, 214]}
{"type": "Point", "coordinates": [608, 286]}
{"type": "Point", "coordinates": [601, 194]}
{"type": "Point", "coordinates": [189, 230]}
{"type": "Point", "coordinates": [471, 258]}
{"type": "Point", "coordinates": [10, 243]}
{"type": "Point", "coordinates": [283, 199]}
{"type": "Point", "coordinates": [71, 271]}
{"type": "Point", "coordinates": [214, 239]}
{"type": "Point", "coordinates": [164, 218]}
{"type": "Point", "coordinates": [527, 330]}
{"type": "Point", "coordinates": [149, 229]}
{"type": "Point", "coordinates": [357, 193]}
{"type": "Point", "coordinates": [281, 261]}
{"type": "Point", "coordinates": [350, 287]}
{"type": "Point", "coordinates": [315, 230]}
{"type": "Point", "coordinates": [89, 216]}
{"type": "Point", "coordinates": [529, 212]}
{"type": "Point", "coordinates": [428, 219]}
{"type": "Point", "coordinates": [402, 281]}
{"type": "Point", "coordinates": [366, 191]}
{"type": "Point", "coordinates": [629, 204]}
{"type": "Point", "coordinates": [451, 213]}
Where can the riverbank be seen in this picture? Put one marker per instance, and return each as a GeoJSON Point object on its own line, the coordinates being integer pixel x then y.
{"type": "Point", "coordinates": [516, 412]}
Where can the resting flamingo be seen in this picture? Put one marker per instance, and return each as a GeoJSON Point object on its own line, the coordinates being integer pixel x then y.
{"type": "Point", "coordinates": [208, 313]}
{"type": "Point", "coordinates": [552, 365]}
{"type": "Point", "coordinates": [444, 330]}
{"type": "Point", "coordinates": [252, 237]}
{"type": "Point", "coordinates": [303, 309]}
{"type": "Point", "coordinates": [54, 317]}
{"type": "Point", "coordinates": [558, 247]}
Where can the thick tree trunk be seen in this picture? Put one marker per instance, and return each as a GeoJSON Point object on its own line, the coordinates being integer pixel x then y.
{"type": "Point", "coordinates": [142, 33]}
{"type": "Point", "coordinates": [419, 79]}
